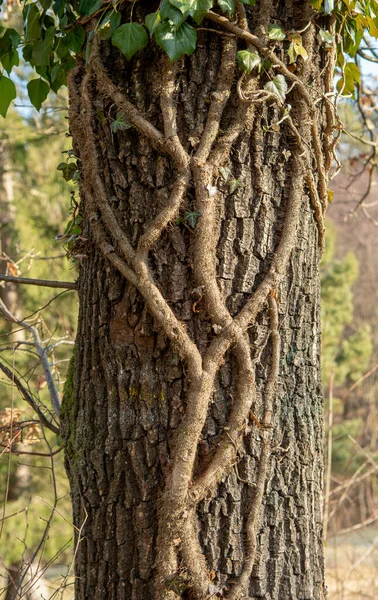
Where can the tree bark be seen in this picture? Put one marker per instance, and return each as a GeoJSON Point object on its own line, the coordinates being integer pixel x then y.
{"type": "Point", "coordinates": [128, 390]}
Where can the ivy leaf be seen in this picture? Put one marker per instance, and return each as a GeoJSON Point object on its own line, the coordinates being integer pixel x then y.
{"type": "Point", "coordinates": [178, 42]}
{"type": "Point", "coordinates": [183, 5]}
{"type": "Point", "coordinates": [351, 77]}
{"type": "Point", "coordinates": [88, 7]}
{"type": "Point", "coordinates": [38, 91]}
{"type": "Point", "coordinates": [41, 53]}
{"type": "Point", "coordinates": [275, 32]}
{"type": "Point", "coordinates": [199, 10]}
{"type": "Point", "coordinates": [108, 24]}
{"type": "Point", "coordinates": [247, 60]}
{"type": "Point", "coordinates": [68, 171]}
{"type": "Point", "coordinates": [227, 6]}
{"type": "Point", "coordinates": [75, 39]}
{"type": "Point", "coordinates": [152, 21]}
{"type": "Point", "coordinates": [191, 217]}
{"type": "Point", "coordinates": [296, 48]}
{"type": "Point", "coordinates": [130, 38]}
{"type": "Point", "coordinates": [168, 11]}
{"type": "Point", "coordinates": [7, 94]}
{"type": "Point", "coordinates": [33, 28]}
{"type": "Point", "coordinates": [120, 123]}
{"type": "Point", "coordinates": [10, 60]}
{"type": "Point", "coordinates": [278, 87]}
{"type": "Point", "coordinates": [326, 37]}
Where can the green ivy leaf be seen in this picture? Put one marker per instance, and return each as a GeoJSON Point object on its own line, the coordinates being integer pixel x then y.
{"type": "Point", "coordinates": [199, 10]}
{"type": "Point", "coordinates": [33, 28]}
{"type": "Point", "coordinates": [38, 91]}
{"type": "Point", "coordinates": [75, 39]}
{"type": "Point", "coordinates": [130, 38]}
{"type": "Point", "coordinates": [178, 42]}
{"type": "Point", "coordinates": [152, 21]}
{"type": "Point", "coordinates": [10, 60]}
{"type": "Point", "coordinates": [352, 77]}
{"type": "Point", "coordinates": [7, 94]}
{"type": "Point", "coordinates": [88, 7]}
{"type": "Point", "coordinates": [326, 37]}
{"type": "Point", "coordinates": [167, 11]}
{"type": "Point", "coordinates": [120, 123]}
{"type": "Point", "coordinates": [41, 53]}
{"type": "Point", "coordinates": [275, 32]}
{"type": "Point", "coordinates": [278, 87]}
{"type": "Point", "coordinates": [108, 24]}
{"type": "Point", "coordinates": [68, 171]}
{"type": "Point", "coordinates": [247, 60]}
{"type": "Point", "coordinates": [183, 5]}
{"type": "Point", "coordinates": [227, 6]}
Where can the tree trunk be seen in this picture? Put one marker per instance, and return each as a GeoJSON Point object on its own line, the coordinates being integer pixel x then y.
{"type": "Point", "coordinates": [127, 413]}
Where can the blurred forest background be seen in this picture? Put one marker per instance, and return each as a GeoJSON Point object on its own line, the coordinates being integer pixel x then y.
{"type": "Point", "coordinates": [38, 224]}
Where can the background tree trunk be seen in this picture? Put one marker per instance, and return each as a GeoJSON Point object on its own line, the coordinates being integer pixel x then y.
{"type": "Point", "coordinates": [127, 393]}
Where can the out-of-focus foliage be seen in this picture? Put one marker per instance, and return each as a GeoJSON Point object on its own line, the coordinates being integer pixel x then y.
{"type": "Point", "coordinates": [345, 353]}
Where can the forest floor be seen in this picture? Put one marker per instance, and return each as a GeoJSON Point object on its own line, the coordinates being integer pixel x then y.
{"type": "Point", "coordinates": [352, 565]}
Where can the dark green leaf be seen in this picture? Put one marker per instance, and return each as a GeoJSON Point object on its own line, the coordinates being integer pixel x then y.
{"type": "Point", "coordinates": [75, 39]}
{"type": "Point", "coordinates": [167, 11]}
{"type": "Point", "coordinates": [200, 9]}
{"type": "Point", "coordinates": [227, 6]}
{"type": "Point", "coordinates": [68, 171]}
{"type": "Point", "coordinates": [108, 24]}
{"type": "Point", "coordinates": [247, 60]}
{"type": "Point", "coordinates": [130, 38]}
{"type": "Point", "coordinates": [41, 53]}
{"type": "Point", "coordinates": [88, 46]}
{"type": "Point", "coordinates": [276, 32]}
{"type": "Point", "coordinates": [33, 29]}
{"type": "Point", "coordinates": [278, 87]}
{"type": "Point", "coordinates": [191, 218]}
{"type": "Point", "coordinates": [88, 7]}
{"type": "Point", "coordinates": [152, 21]}
{"type": "Point", "coordinates": [38, 91]}
{"type": "Point", "coordinates": [7, 94]}
{"type": "Point", "coordinates": [183, 5]}
{"type": "Point", "coordinates": [120, 123]}
{"type": "Point", "coordinates": [10, 60]}
{"type": "Point", "coordinates": [178, 42]}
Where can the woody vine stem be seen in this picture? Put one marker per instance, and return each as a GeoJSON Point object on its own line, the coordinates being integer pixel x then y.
{"type": "Point", "coordinates": [178, 547]}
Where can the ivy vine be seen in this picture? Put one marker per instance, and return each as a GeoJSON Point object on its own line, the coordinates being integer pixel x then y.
{"type": "Point", "coordinates": [54, 31]}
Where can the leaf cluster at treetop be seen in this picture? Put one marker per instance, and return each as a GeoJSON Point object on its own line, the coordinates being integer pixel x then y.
{"type": "Point", "coordinates": [55, 31]}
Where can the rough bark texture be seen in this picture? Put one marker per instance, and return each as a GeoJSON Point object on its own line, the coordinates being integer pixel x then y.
{"type": "Point", "coordinates": [128, 392]}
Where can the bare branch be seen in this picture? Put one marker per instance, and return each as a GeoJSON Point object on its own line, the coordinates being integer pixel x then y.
{"type": "Point", "coordinates": [67, 285]}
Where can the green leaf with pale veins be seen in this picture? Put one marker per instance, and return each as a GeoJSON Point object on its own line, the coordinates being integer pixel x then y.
{"type": "Point", "coordinates": [130, 38]}
{"type": "Point", "coordinates": [178, 42]}
{"type": "Point", "coordinates": [183, 5]}
{"type": "Point", "coordinates": [7, 94]}
{"type": "Point", "coordinates": [227, 6]}
{"type": "Point", "coordinates": [38, 91]}
{"type": "Point", "coordinates": [278, 87]}
{"type": "Point", "coordinates": [275, 32]}
{"type": "Point", "coordinates": [247, 60]}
